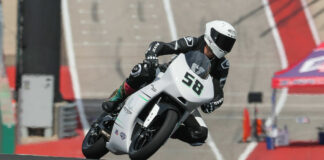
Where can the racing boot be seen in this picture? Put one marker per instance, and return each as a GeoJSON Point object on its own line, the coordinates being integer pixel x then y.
{"type": "Point", "coordinates": [117, 97]}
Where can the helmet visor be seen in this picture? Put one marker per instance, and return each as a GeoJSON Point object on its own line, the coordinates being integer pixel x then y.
{"type": "Point", "coordinates": [222, 41]}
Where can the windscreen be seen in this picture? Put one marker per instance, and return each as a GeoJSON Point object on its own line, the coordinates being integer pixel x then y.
{"type": "Point", "coordinates": [198, 63]}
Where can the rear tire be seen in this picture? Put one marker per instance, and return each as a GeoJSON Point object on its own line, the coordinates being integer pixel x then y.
{"type": "Point", "coordinates": [158, 139]}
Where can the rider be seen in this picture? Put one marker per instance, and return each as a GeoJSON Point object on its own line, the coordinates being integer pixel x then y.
{"type": "Point", "coordinates": [217, 41]}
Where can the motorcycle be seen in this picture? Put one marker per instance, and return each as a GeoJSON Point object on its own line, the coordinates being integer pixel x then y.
{"type": "Point", "coordinates": [151, 115]}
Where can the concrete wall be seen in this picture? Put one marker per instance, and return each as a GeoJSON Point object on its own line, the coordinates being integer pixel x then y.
{"type": "Point", "coordinates": [10, 30]}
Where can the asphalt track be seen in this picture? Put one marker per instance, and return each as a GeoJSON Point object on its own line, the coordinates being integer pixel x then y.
{"type": "Point", "coordinates": [110, 37]}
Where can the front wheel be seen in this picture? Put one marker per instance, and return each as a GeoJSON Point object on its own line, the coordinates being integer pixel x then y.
{"type": "Point", "coordinates": [147, 141]}
{"type": "Point", "coordinates": [94, 144]}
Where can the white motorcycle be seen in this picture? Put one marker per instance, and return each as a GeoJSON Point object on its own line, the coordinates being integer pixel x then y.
{"type": "Point", "coordinates": [152, 114]}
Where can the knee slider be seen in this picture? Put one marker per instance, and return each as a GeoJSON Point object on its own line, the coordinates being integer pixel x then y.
{"type": "Point", "coordinates": [200, 136]}
{"type": "Point", "coordinates": [204, 133]}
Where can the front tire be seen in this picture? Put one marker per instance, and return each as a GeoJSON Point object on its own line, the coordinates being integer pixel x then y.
{"type": "Point", "coordinates": [157, 141]}
{"type": "Point", "coordinates": [95, 150]}
{"type": "Point", "coordinates": [94, 144]}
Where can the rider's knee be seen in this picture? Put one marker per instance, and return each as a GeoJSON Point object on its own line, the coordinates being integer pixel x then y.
{"type": "Point", "coordinates": [199, 136]}
{"type": "Point", "coordinates": [204, 134]}
{"type": "Point", "coordinates": [135, 79]}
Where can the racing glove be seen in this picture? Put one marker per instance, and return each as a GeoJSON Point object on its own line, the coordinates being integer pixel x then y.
{"type": "Point", "coordinates": [151, 55]}
{"type": "Point", "coordinates": [153, 59]}
{"type": "Point", "coordinates": [149, 70]}
{"type": "Point", "coordinates": [211, 106]}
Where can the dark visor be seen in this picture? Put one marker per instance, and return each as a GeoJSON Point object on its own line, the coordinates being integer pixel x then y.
{"type": "Point", "coordinates": [223, 42]}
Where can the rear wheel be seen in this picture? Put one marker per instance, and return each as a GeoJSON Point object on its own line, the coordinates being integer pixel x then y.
{"type": "Point", "coordinates": [146, 141]}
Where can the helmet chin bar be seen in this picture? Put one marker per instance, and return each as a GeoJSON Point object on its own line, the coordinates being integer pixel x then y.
{"type": "Point", "coordinates": [219, 53]}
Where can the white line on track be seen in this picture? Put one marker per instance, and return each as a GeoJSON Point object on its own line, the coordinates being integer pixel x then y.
{"type": "Point", "coordinates": [211, 143]}
{"type": "Point", "coordinates": [72, 64]}
{"type": "Point", "coordinates": [282, 54]}
{"type": "Point", "coordinates": [168, 10]}
{"type": "Point", "coordinates": [275, 33]}
{"type": "Point", "coordinates": [311, 22]}
{"type": "Point", "coordinates": [248, 150]}
{"type": "Point", "coordinates": [167, 6]}
{"type": "Point", "coordinates": [284, 64]}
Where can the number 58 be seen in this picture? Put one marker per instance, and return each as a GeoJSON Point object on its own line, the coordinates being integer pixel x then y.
{"type": "Point", "coordinates": [188, 80]}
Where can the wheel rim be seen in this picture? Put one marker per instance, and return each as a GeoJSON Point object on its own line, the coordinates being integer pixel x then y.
{"type": "Point", "coordinates": [93, 137]}
{"type": "Point", "coordinates": [145, 135]}
{"type": "Point", "coordinates": [143, 139]}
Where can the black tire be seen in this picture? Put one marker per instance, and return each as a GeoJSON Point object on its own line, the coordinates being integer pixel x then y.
{"type": "Point", "coordinates": [95, 150]}
{"type": "Point", "coordinates": [158, 140]}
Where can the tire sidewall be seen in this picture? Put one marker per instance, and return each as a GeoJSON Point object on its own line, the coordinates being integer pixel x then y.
{"type": "Point", "coordinates": [158, 140]}
{"type": "Point", "coordinates": [96, 150]}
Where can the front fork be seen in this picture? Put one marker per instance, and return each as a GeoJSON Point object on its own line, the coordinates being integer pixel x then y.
{"type": "Point", "coordinates": [103, 125]}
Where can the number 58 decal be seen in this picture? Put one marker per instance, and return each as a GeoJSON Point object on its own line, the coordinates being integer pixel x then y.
{"type": "Point", "coordinates": [188, 80]}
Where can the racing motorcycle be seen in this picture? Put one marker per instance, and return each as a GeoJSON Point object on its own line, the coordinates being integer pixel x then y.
{"type": "Point", "coordinates": [151, 115]}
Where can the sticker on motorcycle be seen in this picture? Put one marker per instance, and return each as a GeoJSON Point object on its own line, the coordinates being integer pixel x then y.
{"type": "Point", "coordinates": [122, 135]}
{"type": "Point", "coordinates": [128, 111]}
{"type": "Point", "coordinates": [116, 132]}
{"type": "Point", "coordinates": [189, 79]}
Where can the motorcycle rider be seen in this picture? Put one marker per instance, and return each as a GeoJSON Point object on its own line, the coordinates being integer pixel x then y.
{"type": "Point", "coordinates": [217, 41]}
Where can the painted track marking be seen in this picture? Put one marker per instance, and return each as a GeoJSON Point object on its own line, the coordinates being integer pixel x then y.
{"type": "Point", "coordinates": [169, 13]}
{"type": "Point", "coordinates": [72, 64]}
{"type": "Point", "coordinates": [311, 22]}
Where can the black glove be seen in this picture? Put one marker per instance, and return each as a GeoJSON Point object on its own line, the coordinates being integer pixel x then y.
{"type": "Point", "coordinates": [152, 58]}
{"type": "Point", "coordinates": [210, 107]}
{"type": "Point", "coordinates": [150, 70]}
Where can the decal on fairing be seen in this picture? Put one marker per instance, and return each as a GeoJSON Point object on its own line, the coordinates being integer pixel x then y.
{"type": "Point", "coordinates": [188, 80]}
{"type": "Point", "coordinates": [116, 132]}
{"type": "Point", "coordinates": [122, 135]}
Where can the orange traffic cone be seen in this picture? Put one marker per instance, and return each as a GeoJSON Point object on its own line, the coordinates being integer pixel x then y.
{"type": "Point", "coordinates": [246, 125]}
{"type": "Point", "coordinates": [259, 127]}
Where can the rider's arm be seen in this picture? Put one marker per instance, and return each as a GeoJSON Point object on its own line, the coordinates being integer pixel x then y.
{"type": "Point", "coordinates": [217, 100]}
{"type": "Point", "coordinates": [219, 71]}
{"type": "Point", "coordinates": [181, 45]}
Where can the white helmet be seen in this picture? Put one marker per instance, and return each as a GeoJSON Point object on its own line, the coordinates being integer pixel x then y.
{"type": "Point", "coordinates": [220, 36]}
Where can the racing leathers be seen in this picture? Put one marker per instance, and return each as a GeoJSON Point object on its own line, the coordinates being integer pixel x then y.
{"type": "Point", "coordinates": [194, 130]}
